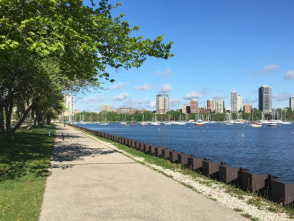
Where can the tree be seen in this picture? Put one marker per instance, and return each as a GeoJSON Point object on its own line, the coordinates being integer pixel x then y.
{"type": "Point", "coordinates": [77, 41]}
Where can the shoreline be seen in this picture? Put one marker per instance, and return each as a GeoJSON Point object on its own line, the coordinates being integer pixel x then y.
{"type": "Point", "coordinates": [249, 205]}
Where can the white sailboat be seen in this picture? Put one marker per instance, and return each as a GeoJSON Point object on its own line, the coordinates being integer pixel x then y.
{"type": "Point", "coordinates": [155, 122]}
{"type": "Point", "coordinates": [143, 123]}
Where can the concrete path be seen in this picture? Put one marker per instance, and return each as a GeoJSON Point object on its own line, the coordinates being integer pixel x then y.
{"type": "Point", "coordinates": [89, 181]}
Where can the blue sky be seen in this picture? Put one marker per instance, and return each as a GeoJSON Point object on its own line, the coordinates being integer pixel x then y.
{"type": "Point", "coordinates": [219, 47]}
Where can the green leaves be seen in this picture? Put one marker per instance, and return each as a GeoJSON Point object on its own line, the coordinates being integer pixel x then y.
{"type": "Point", "coordinates": [49, 45]}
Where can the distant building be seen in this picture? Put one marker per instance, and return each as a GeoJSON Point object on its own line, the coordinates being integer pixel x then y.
{"type": "Point", "coordinates": [69, 102]}
{"type": "Point", "coordinates": [162, 103]}
{"type": "Point", "coordinates": [239, 103]}
{"type": "Point", "coordinates": [106, 107]}
{"type": "Point", "coordinates": [126, 110]}
{"type": "Point", "coordinates": [247, 108]}
{"type": "Point", "coordinates": [291, 103]}
{"type": "Point", "coordinates": [265, 99]}
{"type": "Point", "coordinates": [234, 102]}
{"type": "Point", "coordinates": [186, 109]}
{"type": "Point", "coordinates": [204, 110]}
{"type": "Point", "coordinates": [210, 105]}
{"type": "Point", "coordinates": [194, 106]}
{"type": "Point", "coordinates": [219, 106]}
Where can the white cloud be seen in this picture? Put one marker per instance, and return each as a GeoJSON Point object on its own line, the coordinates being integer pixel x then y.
{"type": "Point", "coordinates": [143, 87]}
{"type": "Point", "coordinates": [270, 68]}
{"type": "Point", "coordinates": [165, 88]}
{"type": "Point", "coordinates": [193, 95]}
{"type": "Point", "coordinates": [281, 97]}
{"type": "Point", "coordinates": [249, 101]}
{"type": "Point", "coordinates": [290, 75]}
{"type": "Point", "coordinates": [219, 97]}
{"type": "Point", "coordinates": [164, 73]}
{"type": "Point", "coordinates": [174, 103]}
{"type": "Point", "coordinates": [152, 104]}
{"type": "Point", "coordinates": [118, 86]}
{"type": "Point", "coordinates": [92, 100]}
{"type": "Point", "coordinates": [121, 97]}
{"type": "Point", "coordinates": [137, 104]}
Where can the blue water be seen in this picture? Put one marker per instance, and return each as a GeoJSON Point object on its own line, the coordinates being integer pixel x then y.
{"type": "Point", "coordinates": [262, 150]}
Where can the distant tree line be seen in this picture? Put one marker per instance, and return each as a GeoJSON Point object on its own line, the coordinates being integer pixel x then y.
{"type": "Point", "coordinates": [172, 115]}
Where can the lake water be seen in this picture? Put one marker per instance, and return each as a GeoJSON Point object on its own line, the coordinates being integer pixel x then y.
{"type": "Point", "coordinates": [262, 150]}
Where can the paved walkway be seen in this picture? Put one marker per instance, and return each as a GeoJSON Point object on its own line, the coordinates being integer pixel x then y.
{"type": "Point", "coordinates": [89, 181]}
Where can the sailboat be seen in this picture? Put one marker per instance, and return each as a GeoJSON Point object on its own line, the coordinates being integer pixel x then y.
{"type": "Point", "coordinates": [155, 122]}
{"type": "Point", "coordinates": [104, 123]}
{"type": "Point", "coordinates": [143, 123]}
{"type": "Point", "coordinates": [254, 124]}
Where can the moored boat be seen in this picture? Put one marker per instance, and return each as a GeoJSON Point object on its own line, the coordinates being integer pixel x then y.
{"type": "Point", "coordinates": [199, 123]}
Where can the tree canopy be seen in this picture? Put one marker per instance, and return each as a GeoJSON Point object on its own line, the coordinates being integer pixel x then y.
{"type": "Point", "coordinates": [51, 46]}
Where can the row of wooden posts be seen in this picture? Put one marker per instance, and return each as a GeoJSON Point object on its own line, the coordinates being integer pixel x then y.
{"type": "Point", "coordinates": [272, 186]}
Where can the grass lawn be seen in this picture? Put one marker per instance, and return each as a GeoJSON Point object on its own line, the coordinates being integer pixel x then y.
{"type": "Point", "coordinates": [24, 166]}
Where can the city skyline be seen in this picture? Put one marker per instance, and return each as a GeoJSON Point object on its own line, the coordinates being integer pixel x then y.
{"type": "Point", "coordinates": [238, 48]}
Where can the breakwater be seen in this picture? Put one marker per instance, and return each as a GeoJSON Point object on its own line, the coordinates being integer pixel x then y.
{"type": "Point", "coordinates": [243, 178]}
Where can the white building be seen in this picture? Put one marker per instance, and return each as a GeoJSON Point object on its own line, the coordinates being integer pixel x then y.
{"type": "Point", "coordinates": [291, 103]}
{"type": "Point", "coordinates": [239, 103]}
{"type": "Point", "coordinates": [219, 106]}
{"type": "Point", "coordinates": [69, 102]}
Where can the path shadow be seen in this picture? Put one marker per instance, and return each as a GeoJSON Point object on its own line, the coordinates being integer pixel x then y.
{"type": "Point", "coordinates": [66, 166]}
{"type": "Point", "coordinates": [71, 152]}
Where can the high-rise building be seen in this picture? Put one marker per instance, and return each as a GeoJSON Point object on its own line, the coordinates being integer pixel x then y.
{"type": "Point", "coordinates": [106, 107]}
{"type": "Point", "coordinates": [291, 103]}
{"type": "Point", "coordinates": [162, 103]}
{"type": "Point", "coordinates": [210, 105]}
{"type": "Point", "coordinates": [265, 99]}
{"type": "Point", "coordinates": [247, 108]}
{"type": "Point", "coordinates": [239, 103]}
{"type": "Point", "coordinates": [69, 102]}
{"type": "Point", "coordinates": [219, 106]}
{"type": "Point", "coordinates": [194, 106]}
{"type": "Point", "coordinates": [234, 102]}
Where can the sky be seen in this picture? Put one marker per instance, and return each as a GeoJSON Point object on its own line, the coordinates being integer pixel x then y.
{"type": "Point", "coordinates": [219, 47]}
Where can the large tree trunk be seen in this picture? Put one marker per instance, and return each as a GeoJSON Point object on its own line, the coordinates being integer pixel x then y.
{"type": "Point", "coordinates": [8, 111]}
{"type": "Point", "coordinates": [48, 119]}
{"type": "Point", "coordinates": [2, 130]}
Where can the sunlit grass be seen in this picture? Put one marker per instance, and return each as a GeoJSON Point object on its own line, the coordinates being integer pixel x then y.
{"type": "Point", "coordinates": [24, 166]}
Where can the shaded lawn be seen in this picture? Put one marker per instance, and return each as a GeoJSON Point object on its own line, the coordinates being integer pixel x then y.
{"type": "Point", "coordinates": [24, 166]}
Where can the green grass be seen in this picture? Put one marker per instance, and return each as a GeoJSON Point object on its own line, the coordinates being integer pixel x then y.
{"type": "Point", "coordinates": [24, 166]}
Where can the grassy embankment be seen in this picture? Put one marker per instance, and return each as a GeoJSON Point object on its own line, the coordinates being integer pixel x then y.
{"type": "Point", "coordinates": [24, 166]}
{"type": "Point", "coordinates": [254, 199]}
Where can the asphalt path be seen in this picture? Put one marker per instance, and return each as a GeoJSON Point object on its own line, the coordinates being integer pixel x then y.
{"type": "Point", "coordinates": [90, 181]}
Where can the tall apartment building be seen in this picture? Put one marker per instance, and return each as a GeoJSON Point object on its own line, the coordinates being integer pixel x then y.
{"type": "Point", "coordinates": [265, 99]}
{"type": "Point", "coordinates": [234, 102]}
{"type": "Point", "coordinates": [247, 108]}
{"type": "Point", "coordinates": [210, 104]}
{"type": "Point", "coordinates": [291, 103]}
{"type": "Point", "coordinates": [162, 103]}
{"type": "Point", "coordinates": [69, 102]}
{"type": "Point", "coordinates": [194, 106]}
{"type": "Point", "coordinates": [106, 107]}
{"type": "Point", "coordinates": [219, 106]}
{"type": "Point", "coordinates": [239, 103]}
